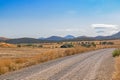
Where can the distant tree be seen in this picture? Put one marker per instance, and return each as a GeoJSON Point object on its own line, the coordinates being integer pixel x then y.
{"type": "Point", "coordinates": [110, 43]}
{"type": "Point", "coordinates": [40, 46]}
{"type": "Point", "coordinates": [103, 43]}
{"type": "Point", "coordinates": [93, 44]}
{"type": "Point", "coordinates": [100, 43]}
{"type": "Point", "coordinates": [106, 43]}
{"type": "Point", "coordinates": [19, 45]}
{"type": "Point", "coordinates": [29, 45]}
{"type": "Point", "coordinates": [67, 46]}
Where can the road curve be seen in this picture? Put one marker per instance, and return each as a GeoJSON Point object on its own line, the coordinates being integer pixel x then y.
{"type": "Point", "coordinates": [94, 65]}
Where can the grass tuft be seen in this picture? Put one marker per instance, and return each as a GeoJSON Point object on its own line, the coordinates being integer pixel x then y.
{"type": "Point", "coordinates": [116, 53]}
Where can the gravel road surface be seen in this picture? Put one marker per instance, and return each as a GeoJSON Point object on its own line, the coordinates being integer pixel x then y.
{"type": "Point", "coordinates": [94, 65]}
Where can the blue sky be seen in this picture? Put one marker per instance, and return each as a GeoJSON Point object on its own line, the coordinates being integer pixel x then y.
{"type": "Point", "coordinates": [43, 18]}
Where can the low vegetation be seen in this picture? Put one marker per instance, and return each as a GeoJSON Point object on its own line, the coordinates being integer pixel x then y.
{"type": "Point", "coordinates": [116, 54]}
{"type": "Point", "coordinates": [106, 43]}
{"type": "Point", "coordinates": [12, 64]}
{"type": "Point", "coordinates": [24, 55]}
{"type": "Point", "coordinates": [116, 74]}
{"type": "Point", "coordinates": [67, 46]}
{"type": "Point", "coordinates": [87, 44]}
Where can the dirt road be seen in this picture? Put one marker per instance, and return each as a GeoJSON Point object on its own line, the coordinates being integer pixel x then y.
{"type": "Point", "coordinates": [94, 65]}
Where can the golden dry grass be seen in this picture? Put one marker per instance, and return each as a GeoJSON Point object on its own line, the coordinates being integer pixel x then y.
{"type": "Point", "coordinates": [12, 59]}
{"type": "Point", "coordinates": [8, 64]}
{"type": "Point", "coordinates": [6, 45]}
{"type": "Point", "coordinates": [116, 75]}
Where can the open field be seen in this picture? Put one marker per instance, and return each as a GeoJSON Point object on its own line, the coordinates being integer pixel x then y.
{"type": "Point", "coordinates": [25, 55]}
{"type": "Point", "coordinates": [93, 65]}
{"type": "Point", "coordinates": [17, 58]}
{"type": "Point", "coordinates": [59, 40]}
{"type": "Point", "coordinates": [116, 74]}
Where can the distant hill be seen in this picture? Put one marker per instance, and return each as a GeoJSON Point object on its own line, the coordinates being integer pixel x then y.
{"type": "Point", "coordinates": [41, 38]}
{"type": "Point", "coordinates": [114, 36]}
{"type": "Point", "coordinates": [3, 38]}
{"type": "Point", "coordinates": [23, 40]}
{"type": "Point", "coordinates": [84, 38]}
{"type": "Point", "coordinates": [69, 37]}
{"type": "Point", "coordinates": [100, 37]}
{"type": "Point", "coordinates": [55, 38]}
{"type": "Point", "coordinates": [58, 38]}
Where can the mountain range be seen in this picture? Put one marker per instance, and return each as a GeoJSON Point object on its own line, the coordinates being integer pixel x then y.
{"type": "Point", "coordinates": [3, 38]}
{"type": "Point", "coordinates": [58, 38]}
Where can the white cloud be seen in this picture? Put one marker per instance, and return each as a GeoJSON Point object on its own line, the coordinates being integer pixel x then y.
{"type": "Point", "coordinates": [97, 26]}
{"type": "Point", "coordinates": [105, 29]}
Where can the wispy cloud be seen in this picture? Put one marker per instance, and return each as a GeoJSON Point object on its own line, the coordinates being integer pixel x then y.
{"type": "Point", "coordinates": [100, 26]}
{"type": "Point", "coordinates": [105, 29]}
{"type": "Point", "coordinates": [99, 31]}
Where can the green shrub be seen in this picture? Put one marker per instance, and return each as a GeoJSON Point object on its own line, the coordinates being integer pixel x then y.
{"type": "Point", "coordinates": [67, 46]}
{"type": "Point", "coordinates": [93, 44]}
{"type": "Point", "coordinates": [106, 43]}
{"type": "Point", "coordinates": [19, 45]}
{"type": "Point", "coordinates": [40, 46]}
{"type": "Point", "coordinates": [86, 45]}
{"type": "Point", "coordinates": [116, 53]}
{"type": "Point", "coordinates": [110, 43]}
{"type": "Point", "coordinates": [29, 45]}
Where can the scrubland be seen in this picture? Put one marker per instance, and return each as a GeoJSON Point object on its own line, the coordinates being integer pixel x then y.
{"type": "Point", "coordinates": [12, 62]}
{"type": "Point", "coordinates": [116, 74]}
{"type": "Point", "coordinates": [15, 58]}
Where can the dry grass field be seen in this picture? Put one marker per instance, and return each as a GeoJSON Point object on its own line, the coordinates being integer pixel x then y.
{"type": "Point", "coordinates": [15, 58]}
{"type": "Point", "coordinates": [116, 74]}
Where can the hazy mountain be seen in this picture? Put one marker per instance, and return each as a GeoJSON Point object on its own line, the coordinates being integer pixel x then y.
{"type": "Point", "coordinates": [23, 40]}
{"type": "Point", "coordinates": [69, 37]}
{"type": "Point", "coordinates": [114, 36]}
{"type": "Point", "coordinates": [117, 35]}
{"type": "Point", "coordinates": [3, 38]}
{"type": "Point", "coordinates": [55, 38]}
{"type": "Point", "coordinates": [84, 38]}
{"type": "Point", "coordinates": [58, 38]}
{"type": "Point", "coordinates": [41, 38]}
{"type": "Point", "coordinates": [100, 37]}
